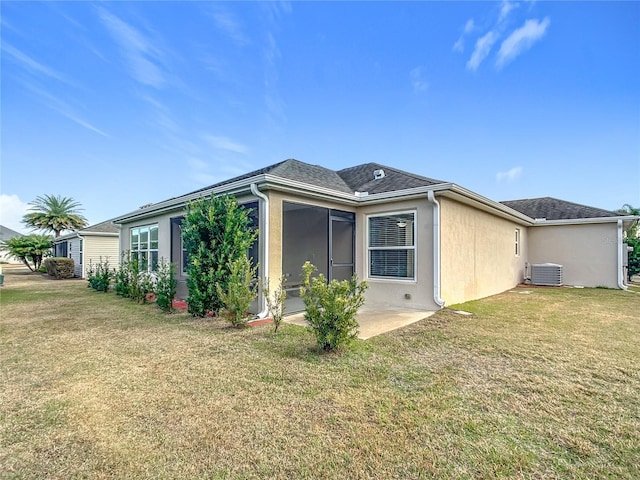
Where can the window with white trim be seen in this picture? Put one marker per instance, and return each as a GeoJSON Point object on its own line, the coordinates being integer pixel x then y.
{"type": "Point", "coordinates": [144, 247]}
{"type": "Point", "coordinates": [391, 245]}
{"type": "Point", "coordinates": [517, 239]}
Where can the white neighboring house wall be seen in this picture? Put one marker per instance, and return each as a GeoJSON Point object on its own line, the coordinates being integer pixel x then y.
{"type": "Point", "coordinates": [99, 246]}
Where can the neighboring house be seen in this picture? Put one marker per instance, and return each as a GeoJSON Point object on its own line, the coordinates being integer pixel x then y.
{"type": "Point", "coordinates": [89, 246]}
{"type": "Point", "coordinates": [7, 234]}
{"type": "Point", "coordinates": [419, 242]}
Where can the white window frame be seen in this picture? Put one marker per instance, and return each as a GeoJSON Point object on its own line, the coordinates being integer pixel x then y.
{"type": "Point", "coordinates": [413, 247]}
{"type": "Point", "coordinates": [149, 250]}
{"type": "Point", "coordinates": [517, 241]}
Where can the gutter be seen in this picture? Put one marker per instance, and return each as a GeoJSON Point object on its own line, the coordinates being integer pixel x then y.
{"type": "Point", "coordinates": [620, 243]}
{"type": "Point", "coordinates": [436, 248]}
{"type": "Point", "coordinates": [265, 243]}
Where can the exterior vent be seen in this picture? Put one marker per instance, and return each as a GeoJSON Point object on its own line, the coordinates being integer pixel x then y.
{"type": "Point", "coordinates": [548, 274]}
{"type": "Point", "coordinates": [378, 174]}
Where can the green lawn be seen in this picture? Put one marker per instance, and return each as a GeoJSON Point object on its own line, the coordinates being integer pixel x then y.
{"type": "Point", "coordinates": [543, 384]}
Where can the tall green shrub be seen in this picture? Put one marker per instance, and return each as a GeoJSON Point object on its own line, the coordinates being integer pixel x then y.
{"type": "Point", "coordinates": [216, 232]}
{"type": "Point", "coordinates": [241, 291]}
{"type": "Point", "coordinates": [331, 308]}
{"type": "Point", "coordinates": [634, 257]}
{"type": "Point", "coordinates": [99, 275]}
{"type": "Point", "coordinates": [130, 282]}
{"type": "Point", "coordinates": [165, 289]}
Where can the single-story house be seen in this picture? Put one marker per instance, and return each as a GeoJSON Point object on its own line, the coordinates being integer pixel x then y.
{"type": "Point", "coordinates": [7, 234]}
{"type": "Point", "coordinates": [89, 245]}
{"type": "Point", "coordinates": [419, 242]}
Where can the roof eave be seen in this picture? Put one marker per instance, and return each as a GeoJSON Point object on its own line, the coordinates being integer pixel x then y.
{"type": "Point", "coordinates": [540, 222]}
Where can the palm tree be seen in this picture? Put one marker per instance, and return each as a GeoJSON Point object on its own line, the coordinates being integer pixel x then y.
{"type": "Point", "coordinates": [54, 213]}
{"type": "Point", "coordinates": [627, 209]}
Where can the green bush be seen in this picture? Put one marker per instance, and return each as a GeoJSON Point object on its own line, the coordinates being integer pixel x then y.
{"type": "Point", "coordinates": [100, 275]}
{"type": "Point", "coordinates": [275, 300]}
{"type": "Point", "coordinates": [216, 231]}
{"type": "Point", "coordinates": [165, 289]}
{"type": "Point", "coordinates": [240, 292]}
{"type": "Point", "coordinates": [331, 307]}
{"type": "Point", "coordinates": [130, 282]}
{"type": "Point", "coordinates": [634, 257]}
{"type": "Point", "coordinates": [59, 267]}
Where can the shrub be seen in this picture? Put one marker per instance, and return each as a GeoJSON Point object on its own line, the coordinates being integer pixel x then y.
{"type": "Point", "coordinates": [130, 282]}
{"type": "Point", "coordinates": [165, 285]}
{"type": "Point", "coordinates": [275, 301]}
{"type": "Point", "coordinates": [634, 257]}
{"type": "Point", "coordinates": [331, 307]}
{"type": "Point", "coordinates": [216, 231]}
{"type": "Point", "coordinates": [59, 267]}
{"type": "Point", "coordinates": [100, 275]}
{"type": "Point", "coordinates": [240, 292]}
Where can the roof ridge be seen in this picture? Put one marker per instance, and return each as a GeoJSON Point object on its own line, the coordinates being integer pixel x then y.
{"type": "Point", "coordinates": [397, 170]}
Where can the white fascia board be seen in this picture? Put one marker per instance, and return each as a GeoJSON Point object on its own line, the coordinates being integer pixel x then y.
{"type": "Point", "coordinates": [178, 203]}
{"type": "Point", "coordinates": [582, 221]}
{"type": "Point", "coordinates": [464, 195]}
{"type": "Point", "coordinates": [98, 234]}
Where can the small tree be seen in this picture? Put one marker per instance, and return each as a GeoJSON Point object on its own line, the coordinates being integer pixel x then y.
{"type": "Point", "coordinates": [241, 291]}
{"type": "Point", "coordinates": [634, 257]}
{"type": "Point", "coordinates": [165, 286]}
{"type": "Point", "coordinates": [331, 308]}
{"type": "Point", "coordinates": [216, 232]}
{"type": "Point", "coordinates": [275, 300]}
{"type": "Point", "coordinates": [28, 248]}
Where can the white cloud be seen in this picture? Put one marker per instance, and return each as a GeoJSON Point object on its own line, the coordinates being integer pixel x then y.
{"type": "Point", "coordinates": [33, 66]}
{"type": "Point", "coordinates": [459, 45]}
{"type": "Point", "coordinates": [224, 143]}
{"type": "Point", "coordinates": [139, 51]}
{"type": "Point", "coordinates": [510, 176]}
{"type": "Point", "coordinates": [469, 26]}
{"type": "Point", "coordinates": [482, 49]}
{"type": "Point", "coordinates": [63, 108]}
{"type": "Point", "coordinates": [505, 8]}
{"type": "Point", "coordinates": [12, 209]}
{"type": "Point", "coordinates": [229, 25]}
{"type": "Point", "coordinates": [418, 82]}
{"type": "Point", "coordinates": [521, 39]}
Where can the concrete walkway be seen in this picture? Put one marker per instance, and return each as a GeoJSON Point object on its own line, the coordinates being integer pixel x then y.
{"type": "Point", "coordinates": [375, 321]}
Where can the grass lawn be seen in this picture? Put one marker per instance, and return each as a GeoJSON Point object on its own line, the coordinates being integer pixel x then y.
{"type": "Point", "coordinates": [538, 385]}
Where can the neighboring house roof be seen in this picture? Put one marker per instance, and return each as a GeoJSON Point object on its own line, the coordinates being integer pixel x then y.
{"type": "Point", "coordinates": [7, 233]}
{"type": "Point", "coordinates": [107, 228]}
{"type": "Point", "coordinates": [554, 209]}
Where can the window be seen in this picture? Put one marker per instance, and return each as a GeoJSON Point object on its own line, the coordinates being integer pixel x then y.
{"type": "Point", "coordinates": [517, 242]}
{"type": "Point", "coordinates": [144, 247]}
{"type": "Point", "coordinates": [391, 245]}
{"type": "Point", "coordinates": [81, 251]}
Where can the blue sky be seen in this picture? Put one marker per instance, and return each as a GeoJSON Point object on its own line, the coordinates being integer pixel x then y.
{"type": "Point", "coordinates": [119, 104]}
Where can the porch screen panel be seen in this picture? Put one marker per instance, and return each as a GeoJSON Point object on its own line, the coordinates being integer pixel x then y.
{"type": "Point", "coordinates": [391, 246]}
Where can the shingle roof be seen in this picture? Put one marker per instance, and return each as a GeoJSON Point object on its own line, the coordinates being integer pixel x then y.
{"type": "Point", "coordinates": [360, 178]}
{"type": "Point", "coordinates": [555, 209]}
{"type": "Point", "coordinates": [7, 234]}
{"type": "Point", "coordinates": [103, 227]}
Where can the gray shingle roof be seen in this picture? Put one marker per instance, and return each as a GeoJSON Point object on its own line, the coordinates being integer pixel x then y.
{"type": "Point", "coordinates": [7, 234]}
{"type": "Point", "coordinates": [555, 209]}
{"type": "Point", "coordinates": [360, 178]}
{"type": "Point", "coordinates": [103, 227]}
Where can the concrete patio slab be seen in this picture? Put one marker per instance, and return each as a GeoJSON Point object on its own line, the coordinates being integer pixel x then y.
{"type": "Point", "coordinates": [375, 321]}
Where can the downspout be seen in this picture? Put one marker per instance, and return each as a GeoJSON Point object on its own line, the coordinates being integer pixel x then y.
{"type": "Point", "coordinates": [265, 242]}
{"type": "Point", "coordinates": [436, 248]}
{"type": "Point", "coordinates": [620, 243]}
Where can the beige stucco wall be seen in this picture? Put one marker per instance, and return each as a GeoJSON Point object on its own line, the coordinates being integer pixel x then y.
{"type": "Point", "coordinates": [388, 292]}
{"type": "Point", "coordinates": [478, 256]}
{"type": "Point", "coordinates": [587, 252]}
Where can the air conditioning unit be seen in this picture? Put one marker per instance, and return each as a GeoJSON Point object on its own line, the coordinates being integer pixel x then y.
{"type": "Point", "coordinates": [548, 274]}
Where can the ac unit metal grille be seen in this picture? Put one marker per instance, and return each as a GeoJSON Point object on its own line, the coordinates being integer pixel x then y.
{"type": "Point", "coordinates": [547, 274]}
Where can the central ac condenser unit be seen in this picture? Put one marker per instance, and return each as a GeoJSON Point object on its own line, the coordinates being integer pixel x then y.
{"type": "Point", "coordinates": [548, 274]}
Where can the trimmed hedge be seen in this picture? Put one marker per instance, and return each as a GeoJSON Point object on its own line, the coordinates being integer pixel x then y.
{"type": "Point", "coordinates": [59, 267]}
